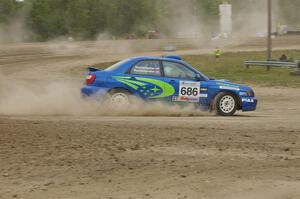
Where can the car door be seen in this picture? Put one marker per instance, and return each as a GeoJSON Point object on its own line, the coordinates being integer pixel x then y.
{"type": "Point", "coordinates": [145, 79]}
{"type": "Point", "coordinates": [184, 80]}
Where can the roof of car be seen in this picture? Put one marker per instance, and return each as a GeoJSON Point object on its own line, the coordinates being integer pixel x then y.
{"type": "Point", "coordinates": [163, 58]}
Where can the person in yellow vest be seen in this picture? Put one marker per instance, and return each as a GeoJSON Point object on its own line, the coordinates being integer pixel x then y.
{"type": "Point", "coordinates": [218, 53]}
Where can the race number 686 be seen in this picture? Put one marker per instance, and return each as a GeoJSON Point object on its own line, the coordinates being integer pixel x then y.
{"type": "Point", "coordinates": [189, 91]}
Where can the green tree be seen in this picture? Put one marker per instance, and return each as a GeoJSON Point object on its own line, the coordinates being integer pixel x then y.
{"type": "Point", "coordinates": [125, 16]}
{"type": "Point", "coordinates": [8, 8]}
{"type": "Point", "coordinates": [48, 18]}
{"type": "Point", "coordinates": [86, 18]}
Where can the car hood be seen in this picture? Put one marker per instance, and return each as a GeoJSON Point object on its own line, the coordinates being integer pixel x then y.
{"type": "Point", "coordinates": [226, 84]}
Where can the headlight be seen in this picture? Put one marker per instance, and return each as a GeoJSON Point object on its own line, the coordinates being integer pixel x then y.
{"type": "Point", "coordinates": [250, 93]}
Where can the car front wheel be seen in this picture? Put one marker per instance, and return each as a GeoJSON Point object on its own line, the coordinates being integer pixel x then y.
{"type": "Point", "coordinates": [225, 104]}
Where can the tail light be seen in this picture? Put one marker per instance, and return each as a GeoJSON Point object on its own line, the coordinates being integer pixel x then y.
{"type": "Point", "coordinates": [90, 79]}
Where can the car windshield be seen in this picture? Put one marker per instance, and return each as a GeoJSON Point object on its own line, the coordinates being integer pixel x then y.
{"type": "Point", "coordinates": [116, 65]}
{"type": "Point", "coordinates": [202, 75]}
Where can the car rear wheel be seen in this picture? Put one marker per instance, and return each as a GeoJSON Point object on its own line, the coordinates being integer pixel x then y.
{"type": "Point", "coordinates": [225, 104]}
{"type": "Point", "coordinates": [119, 97]}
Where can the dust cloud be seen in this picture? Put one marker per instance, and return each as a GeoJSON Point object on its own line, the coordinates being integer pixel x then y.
{"type": "Point", "coordinates": [249, 19]}
{"type": "Point", "coordinates": [15, 30]}
{"type": "Point", "coordinates": [18, 97]}
{"type": "Point", "coordinates": [186, 20]}
{"type": "Point", "coordinates": [36, 97]}
{"type": "Point", "coordinates": [64, 46]}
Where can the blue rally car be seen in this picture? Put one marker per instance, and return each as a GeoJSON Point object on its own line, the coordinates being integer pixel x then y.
{"type": "Point", "coordinates": [168, 79]}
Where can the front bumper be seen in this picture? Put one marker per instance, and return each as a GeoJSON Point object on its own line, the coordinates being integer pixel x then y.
{"type": "Point", "coordinates": [249, 103]}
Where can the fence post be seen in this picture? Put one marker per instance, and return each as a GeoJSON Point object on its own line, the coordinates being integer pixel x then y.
{"type": "Point", "coordinates": [297, 71]}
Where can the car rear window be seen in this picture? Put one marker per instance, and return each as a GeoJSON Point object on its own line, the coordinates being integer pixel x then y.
{"type": "Point", "coordinates": [116, 65]}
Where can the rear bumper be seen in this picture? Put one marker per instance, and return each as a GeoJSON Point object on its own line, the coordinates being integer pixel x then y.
{"type": "Point", "coordinates": [89, 91]}
{"type": "Point", "coordinates": [249, 103]}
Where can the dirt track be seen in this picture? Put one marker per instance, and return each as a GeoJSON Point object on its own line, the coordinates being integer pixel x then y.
{"type": "Point", "coordinates": [54, 60]}
{"type": "Point", "coordinates": [252, 155]}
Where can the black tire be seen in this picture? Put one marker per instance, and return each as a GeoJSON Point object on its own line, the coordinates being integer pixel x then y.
{"type": "Point", "coordinates": [225, 104]}
{"type": "Point", "coordinates": [117, 97]}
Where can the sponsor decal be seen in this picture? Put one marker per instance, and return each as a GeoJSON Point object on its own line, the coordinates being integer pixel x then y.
{"type": "Point", "coordinates": [227, 84]}
{"type": "Point", "coordinates": [248, 100]}
{"type": "Point", "coordinates": [243, 93]}
{"type": "Point", "coordinates": [151, 88]}
{"type": "Point", "coordinates": [188, 99]}
{"type": "Point", "coordinates": [229, 88]}
{"type": "Point", "coordinates": [184, 99]}
{"type": "Point", "coordinates": [146, 70]}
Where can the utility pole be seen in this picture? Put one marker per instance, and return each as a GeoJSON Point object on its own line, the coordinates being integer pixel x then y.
{"type": "Point", "coordinates": [269, 47]}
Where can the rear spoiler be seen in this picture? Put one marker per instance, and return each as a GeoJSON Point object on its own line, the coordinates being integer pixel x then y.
{"type": "Point", "coordinates": [93, 69]}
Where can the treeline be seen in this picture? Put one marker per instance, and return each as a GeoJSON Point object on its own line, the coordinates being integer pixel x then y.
{"type": "Point", "coordinates": [86, 19]}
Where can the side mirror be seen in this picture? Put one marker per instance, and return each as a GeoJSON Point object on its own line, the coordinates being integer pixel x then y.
{"type": "Point", "coordinates": [198, 77]}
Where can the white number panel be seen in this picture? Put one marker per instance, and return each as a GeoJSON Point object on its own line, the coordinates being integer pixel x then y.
{"type": "Point", "coordinates": [189, 91]}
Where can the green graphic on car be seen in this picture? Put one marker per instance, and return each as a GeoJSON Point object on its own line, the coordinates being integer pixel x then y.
{"type": "Point", "coordinates": [148, 87]}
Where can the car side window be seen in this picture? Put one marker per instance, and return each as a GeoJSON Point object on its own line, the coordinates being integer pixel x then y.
{"type": "Point", "coordinates": [151, 68]}
{"type": "Point", "coordinates": [177, 70]}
